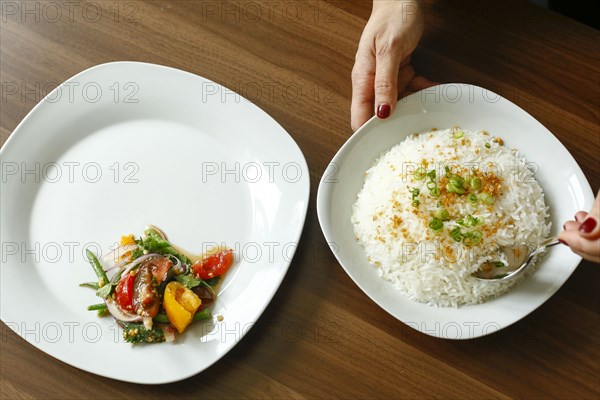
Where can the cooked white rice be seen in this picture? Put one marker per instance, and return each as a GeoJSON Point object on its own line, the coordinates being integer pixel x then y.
{"type": "Point", "coordinates": [432, 266]}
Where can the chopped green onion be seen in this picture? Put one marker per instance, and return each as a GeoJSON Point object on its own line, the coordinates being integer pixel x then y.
{"type": "Point", "coordinates": [469, 242]}
{"type": "Point", "coordinates": [457, 135]}
{"type": "Point", "coordinates": [439, 203]}
{"type": "Point", "coordinates": [459, 190]}
{"type": "Point", "coordinates": [454, 189]}
{"type": "Point", "coordinates": [415, 192]}
{"type": "Point", "coordinates": [456, 234]}
{"type": "Point", "coordinates": [447, 169]}
{"type": "Point", "coordinates": [474, 234]}
{"type": "Point", "coordinates": [431, 174]}
{"type": "Point", "coordinates": [436, 224]}
{"type": "Point", "coordinates": [499, 264]}
{"type": "Point", "coordinates": [472, 221]}
{"type": "Point", "coordinates": [455, 184]}
{"type": "Point", "coordinates": [487, 145]}
{"type": "Point", "coordinates": [420, 173]}
{"type": "Point", "coordinates": [431, 185]}
{"type": "Point", "coordinates": [457, 181]}
{"type": "Point", "coordinates": [442, 215]}
{"type": "Point", "coordinates": [472, 238]}
{"type": "Point", "coordinates": [476, 183]}
{"type": "Point", "coordinates": [486, 198]}
{"type": "Point", "coordinates": [435, 192]}
{"type": "Point", "coordinates": [473, 199]}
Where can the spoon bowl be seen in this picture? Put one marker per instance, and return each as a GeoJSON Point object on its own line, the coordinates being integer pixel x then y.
{"type": "Point", "coordinates": [523, 257]}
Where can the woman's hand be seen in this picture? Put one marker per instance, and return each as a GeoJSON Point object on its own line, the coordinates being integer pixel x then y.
{"type": "Point", "coordinates": [583, 234]}
{"type": "Point", "coordinates": [382, 66]}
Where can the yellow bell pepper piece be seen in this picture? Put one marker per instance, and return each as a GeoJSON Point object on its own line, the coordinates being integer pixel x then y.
{"type": "Point", "coordinates": [128, 239]}
{"type": "Point", "coordinates": [180, 304]}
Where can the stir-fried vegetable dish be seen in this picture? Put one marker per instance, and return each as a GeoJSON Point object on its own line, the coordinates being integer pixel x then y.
{"type": "Point", "coordinates": [152, 289]}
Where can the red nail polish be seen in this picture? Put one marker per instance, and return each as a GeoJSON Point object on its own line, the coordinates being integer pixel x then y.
{"type": "Point", "coordinates": [383, 111]}
{"type": "Point", "coordinates": [588, 225]}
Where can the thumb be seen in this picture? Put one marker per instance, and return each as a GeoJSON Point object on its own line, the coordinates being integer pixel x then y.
{"type": "Point", "coordinates": [363, 75]}
{"type": "Point", "coordinates": [589, 227]}
{"type": "Point", "coordinates": [387, 65]}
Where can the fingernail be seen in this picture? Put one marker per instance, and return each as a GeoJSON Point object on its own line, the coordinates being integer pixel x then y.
{"type": "Point", "coordinates": [588, 225]}
{"type": "Point", "coordinates": [383, 111]}
{"type": "Point", "coordinates": [562, 241]}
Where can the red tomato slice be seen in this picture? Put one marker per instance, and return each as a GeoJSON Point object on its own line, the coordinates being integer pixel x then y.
{"type": "Point", "coordinates": [124, 293]}
{"type": "Point", "coordinates": [214, 265]}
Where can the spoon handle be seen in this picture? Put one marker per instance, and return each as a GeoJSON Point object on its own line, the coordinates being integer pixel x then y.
{"type": "Point", "coordinates": [553, 241]}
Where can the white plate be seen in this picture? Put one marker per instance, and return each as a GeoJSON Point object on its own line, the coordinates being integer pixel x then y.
{"type": "Point", "coordinates": [123, 145]}
{"type": "Point", "coordinates": [473, 108]}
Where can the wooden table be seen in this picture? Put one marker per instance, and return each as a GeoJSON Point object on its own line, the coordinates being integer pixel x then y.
{"type": "Point", "coordinates": [343, 346]}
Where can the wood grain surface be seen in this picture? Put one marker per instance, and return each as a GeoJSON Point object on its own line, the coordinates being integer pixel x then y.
{"type": "Point", "coordinates": [343, 345]}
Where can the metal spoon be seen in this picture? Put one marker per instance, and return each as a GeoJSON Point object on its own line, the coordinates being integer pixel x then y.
{"type": "Point", "coordinates": [490, 272]}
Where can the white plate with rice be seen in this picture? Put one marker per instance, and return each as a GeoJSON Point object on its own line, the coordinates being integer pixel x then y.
{"type": "Point", "coordinates": [386, 242]}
